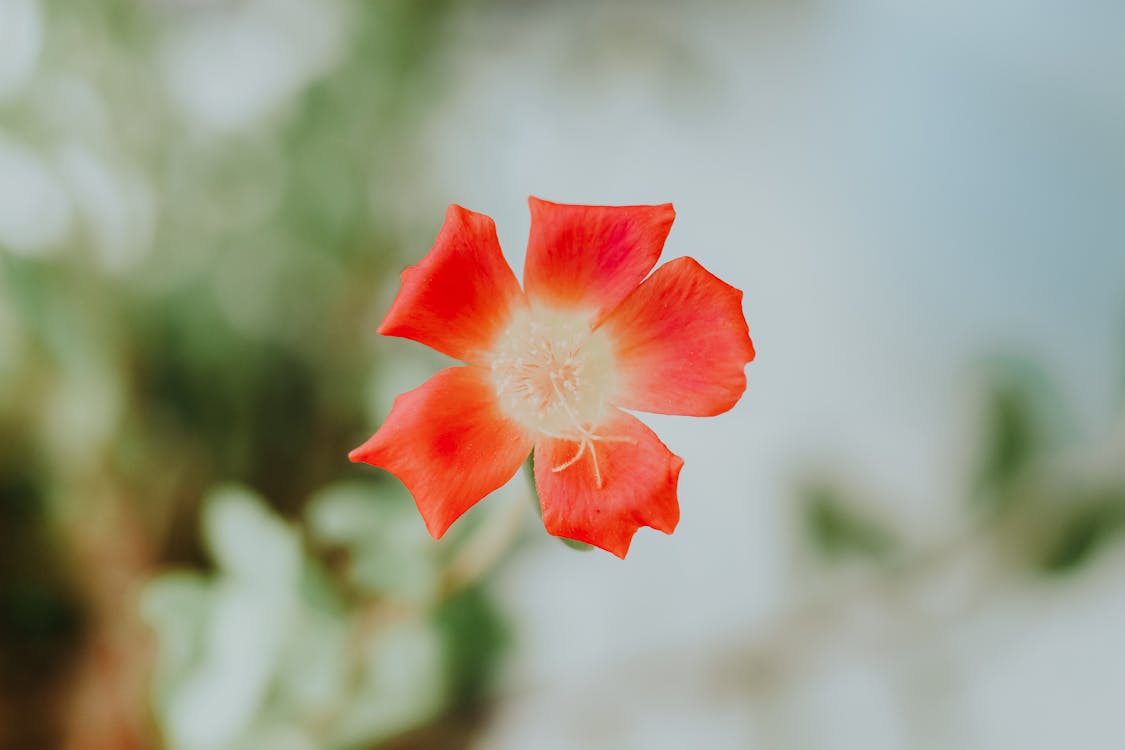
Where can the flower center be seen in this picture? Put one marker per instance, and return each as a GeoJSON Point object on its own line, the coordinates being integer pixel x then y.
{"type": "Point", "coordinates": [556, 377]}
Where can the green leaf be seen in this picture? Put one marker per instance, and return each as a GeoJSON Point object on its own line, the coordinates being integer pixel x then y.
{"type": "Point", "coordinates": [222, 638]}
{"type": "Point", "coordinates": [1079, 536]}
{"type": "Point", "coordinates": [529, 474]}
{"type": "Point", "coordinates": [837, 529]}
{"type": "Point", "coordinates": [249, 542]}
{"type": "Point", "coordinates": [388, 549]}
{"type": "Point", "coordinates": [475, 637]}
{"type": "Point", "coordinates": [314, 672]}
{"type": "Point", "coordinates": [1024, 419]}
{"type": "Point", "coordinates": [401, 685]}
{"type": "Point", "coordinates": [1012, 438]}
{"type": "Point", "coordinates": [576, 545]}
{"type": "Point", "coordinates": [176, 606]}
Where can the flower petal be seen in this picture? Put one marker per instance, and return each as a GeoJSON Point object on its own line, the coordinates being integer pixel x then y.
{"type": "Point", "coordinates": [449, 444]}
{"type": "Point", "coordinates": [638, 477]}
{"type": "Point", "coordinates": [592, 256]}
{"type": "Point", "coordinates": [462, 293]}
{"type": "Point", "coordinates": [681, 343]}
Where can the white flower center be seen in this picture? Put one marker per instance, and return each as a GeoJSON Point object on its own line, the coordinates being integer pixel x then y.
{"type": "Point", "coordinates": [556, 377]}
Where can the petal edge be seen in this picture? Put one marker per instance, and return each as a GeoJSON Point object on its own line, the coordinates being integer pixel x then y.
{"type": "Point", "coordinates": [682, 343]}
{"type": "Point", "coordinates": [449, 444]}
{"type": "Point", "coordinates": [460, 296]}
{"type": "Point", "coordinates": [639, 476]}
{"type": "Point", "coordinates": [591, 257]}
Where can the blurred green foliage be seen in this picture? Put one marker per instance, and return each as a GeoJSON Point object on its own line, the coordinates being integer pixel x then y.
{"type": "Point", "coordinates": [40, 619]}
{"type": "Point", "coordinates": [273, 645]}
{"type": "Point", "coordinates": [1093, 522]}
{"type": "Point", "coordinates": [1025, 421]}
{"type": "Point", "coordinates": [838, 528]}
{"type": "Point", "coordinates": [1040, 498]}
{"type": "Point", "coordinates": [1051, 500]}
{"type": "Point", "coordinates": [191, 261]}
{"type": "Point", "coordinates": [188, 299]}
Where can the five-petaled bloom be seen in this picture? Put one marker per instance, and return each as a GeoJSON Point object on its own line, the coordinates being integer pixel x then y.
{"type": "Point", "coordinates": [551, 367]}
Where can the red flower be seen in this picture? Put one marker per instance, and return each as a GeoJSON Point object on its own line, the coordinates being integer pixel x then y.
{"type": "Point", "coordinates": [552, 366]}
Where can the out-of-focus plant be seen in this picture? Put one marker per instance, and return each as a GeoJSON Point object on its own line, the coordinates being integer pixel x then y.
{"type": "Point", "coordinates": [276, 649]}
{"type": "Point", "coordinates": [1039, 504]}
{"type": "Point", "coordinates": [1039, 499]}
{"type": "Point", "coordinates": [200, 203]}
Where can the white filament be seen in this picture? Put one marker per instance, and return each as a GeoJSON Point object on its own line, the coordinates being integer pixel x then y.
{"type": "Point", "coordinates": [556, 377]}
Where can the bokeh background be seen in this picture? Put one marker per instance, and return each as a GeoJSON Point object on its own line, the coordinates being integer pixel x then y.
{"type": "Point", "coordinates": [904, 536]}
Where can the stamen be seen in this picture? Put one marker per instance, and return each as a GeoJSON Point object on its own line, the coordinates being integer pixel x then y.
{"type": "Point", "coordinates": [556, 376]}
{"type": "Point", "coordinates": [573, 461]}
{"type": "Point", "coordinates": [597, 471]}
{"type": "Point", "coordinates": [612, 439]}
{"type": "Point", "coordinates": [588, 438]}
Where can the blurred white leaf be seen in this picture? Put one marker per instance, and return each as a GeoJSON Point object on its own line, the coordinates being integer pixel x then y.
{"type": "Point", "coordinates": [391, 553]}
{"type": "Point", "coordinates": [82, 409]}
{"type": "Point", "coordinates": [228, 66]}
{"type": "Point", "coordinates": [313, 678]}
{"type": "Point", "coordinates": [176, 606]}
{"type": "Point", "coordinates": [253, 606]}
{"type": "Point", "coordinates": [21, 37]}
{"type": "Point", "coordinates": [403, 685]}
{"type": "Point", "coordinates": [116, 204]}
{"type": "Point", "coordinates": [250, 543]}
{"type": "Point", "coordinates": [279, 738]}
{"type": "Point", "coordinates": [243, 641]}
{"type": "Point", "coordinates": [34, 209]}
